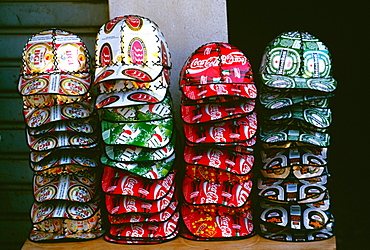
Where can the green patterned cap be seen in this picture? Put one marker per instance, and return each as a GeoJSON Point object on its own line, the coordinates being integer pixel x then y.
{"type": "Point", "coordinates": [297, 60]}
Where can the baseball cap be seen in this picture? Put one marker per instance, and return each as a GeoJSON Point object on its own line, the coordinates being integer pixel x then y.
{"type": "Point", "coordinates": [130, 47]}
{"type": "Point", "coordinates": [57, 62]}
{"type": "Point", "coordinates": [217, 69]}
{"type": "Point", "coordinates": [297, 60]}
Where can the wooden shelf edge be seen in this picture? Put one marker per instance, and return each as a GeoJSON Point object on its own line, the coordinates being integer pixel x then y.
{"type": "Point", "coordinates": [253, 243]}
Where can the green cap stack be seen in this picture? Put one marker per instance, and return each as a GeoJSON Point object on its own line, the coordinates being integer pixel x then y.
{"type": "Point", "coordinates": [297, 82]}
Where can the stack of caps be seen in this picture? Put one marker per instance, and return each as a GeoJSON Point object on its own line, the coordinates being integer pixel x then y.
{"type": "Point", "coordinates": [293, 183]}
{"type": "Point", "coordinates": [135, 110]}
{"type": "Point", "coordinates": [219, 123]}
{"type": "Point", "coordinates": [62, 134]}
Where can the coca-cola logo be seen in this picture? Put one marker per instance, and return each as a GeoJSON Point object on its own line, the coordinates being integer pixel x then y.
{"type": "Point", "coordinates": [111, 24]}
{"type": "Point", "coordinates": [220, 89]}
{"type": "Point", "coordinates": [217, 134]}
{"type": "Point", "coordinates": [134, 23]}
{"type": "Point", "coordinates": [105, 55]}
{"type": "Point", "coordinates": [214, 61]}
{"type": "Point", "coordinates": [213, 111]}
{"type": "Point", "coordinates": [130, 204]}
{"type": "Point", "coordinates": [214, 158]}
{"type": "Point", "coordinates": [137, 51]}
{"type": "Point", "coordinates": [128, 185]}
{"type": "Point", "coordinates": [137, 74]}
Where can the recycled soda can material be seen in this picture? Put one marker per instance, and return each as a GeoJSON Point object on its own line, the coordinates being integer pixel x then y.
{"type": "Point", "coordinates": [149, 134]}
{"type": "Point", "coordinates": [216, 112]}
{"type": "Point", "coordinates": [216, 69]}
{"type": "Point", "coordinates": [238, 163]}
{"type": "Point", "coordinates": [242, 146]}
{"type": "Point", "coordinates": [297, 59]}
{"type": "Point", "coordinates": [44, 100]}
{"type": "Point", "coordinates": [140, 240]}
{"type": "Point", "coordinates": [88, 126]}
{"type": "Point", "coordinates": [59, 221]}
{"type": "Point", "coordinates": [236, 130]}
{"type": "Point", "coordinates": [130, 48]}
{"type": "Point", "coordinates": [55, 62]}
{"type": "Point", "coordinates": [291, 190]}
{"type": "Point", "coordinates": [140, 217]}
{"type": "Point", "coordinates": [272, 99]}
{"type": "Point", "coordinates": [137, 113]}
{"type": "Point", "coordinates": [78, 187]}
{"type": "Point", "coordinates": [151, 170]}
{"type": "Point", "coordinates": [284, 134]}
{"type": "Point", "coordinates": [293, 156]}
{"type": "Point", "coordinates": [216, 222]}
{"type": "Point", "coordinates": [214, 175]}
{"type": "Point", "coordinates": [310, 216]}
{"type": "Point", "coordinates": [131, 154]}
{"type": "Point", "coordinates": [120, 182]}
{"type": "Point", "coordinates": [198, 191]}
{"type": "Point", "coordinates": [61, 140]}
{"type": "Point", "coordinates": [146, 230]}
{"type": "Point", "coordinates": [309, 116]}
{"type": "Point", "coordinates": [121, 204]}
{"type": "Point", "coordinates": [273, 232]}
{"type": "Point", "coordinates": [36, 117]}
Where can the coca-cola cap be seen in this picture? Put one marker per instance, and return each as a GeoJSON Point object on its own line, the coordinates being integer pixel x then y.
{"type": "Point", "coordinates": [146, 230]}
{"type": "Point", "coordinates": [130, 48]}
{"type": "Point", "coordinates": [216, 223]}
{"type": "Point", "coordinates": [217, 69]}
{"type": "Point", "coordinates": [199, 191]}
{"type": "Point", "coordinates": [55, 62]}
{"type": "Point", "coordinates": [140, 240]}
{"type": "Point", "coordinates": [121, 182]}
{"type": "Point", "coordinates": [229, 131]}
{"type": "Point", "coordinates": [216, 112]}
{"type": "Point", "coordinates": [120, 204]}
{"type": "Point", "coordinates": [297, 60]}
{"type": "Point", "coordinates": [217, 157]}
{"type": "Point", "coordinates": [140, 217]}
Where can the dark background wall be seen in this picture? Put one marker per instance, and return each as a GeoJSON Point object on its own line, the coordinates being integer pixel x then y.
{"type": "Point", "coordinates": [343, 27]}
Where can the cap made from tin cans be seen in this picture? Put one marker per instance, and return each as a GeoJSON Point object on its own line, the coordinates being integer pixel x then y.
{"type": "Point", "coordinates": [121, 204]}
{"type": "Point", "coordinates": [140, 217]}
{"type": "Point", "coordinates": [216, 111]}
{"type": "Point", "coordinates": [130, 48]}
{"type": "Point", "coordinates": [230, 161]}
{"type": "Point", "coordinates": [121, 182]}
{"type": "Point", "coordinates": [55, 62]}
{"type": "Point", "coordinates": [146, 230]}
{"type": "Point", "coordinates": [140, 240]}
{"type": "Point", "coordinates": [198, 192]}
{"type": "Point", "coordinates": [213, 222]}
{"type": "Point", "coordinates": [217, 69]}
{"type": "Point", "coordinates": [297, 60]}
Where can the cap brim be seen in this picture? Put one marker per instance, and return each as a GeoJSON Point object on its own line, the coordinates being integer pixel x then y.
{"type": "Point", "coordinates": [201, 91]}
{"type": "Point", "coordinates": [287, 82]}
